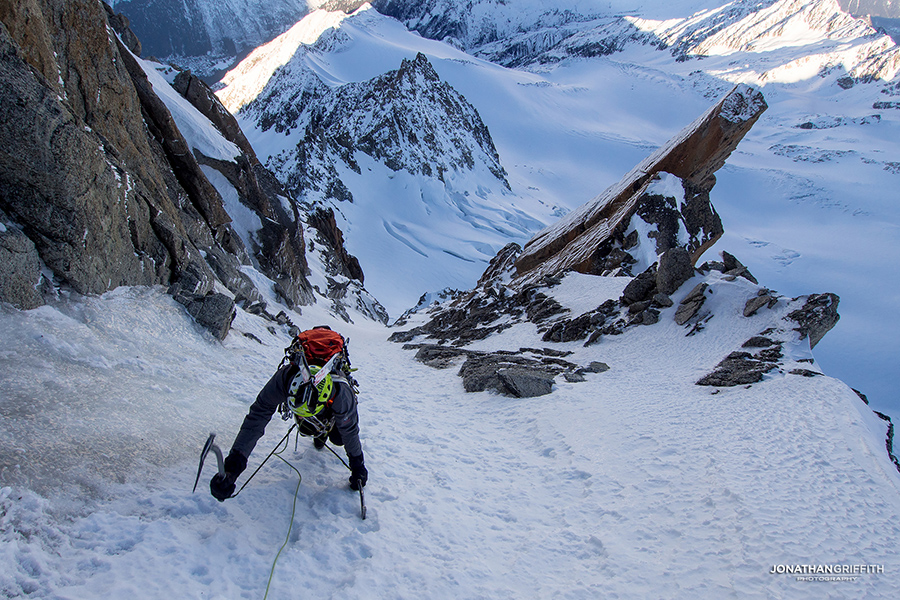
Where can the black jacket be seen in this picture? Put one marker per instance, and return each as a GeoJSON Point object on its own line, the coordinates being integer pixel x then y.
{"type": "Point", "coordinates": [343, 408]}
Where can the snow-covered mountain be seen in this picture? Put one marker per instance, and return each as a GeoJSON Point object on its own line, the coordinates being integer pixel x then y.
{"type": "Point", "coordinates": [529, 32]}
{"type": "Point", "coordinates": [384, 119]}
{"type": "Point", "coordinates": [349, 111]}
{"type": "Point", "coordinates": [208, 36]}
{"type": "Point", "coordinates": [584, 105]}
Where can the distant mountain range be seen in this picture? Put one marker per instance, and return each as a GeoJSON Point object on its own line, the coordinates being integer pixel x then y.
{"type": "Point", "coordinates": [873, 8]}
{"type": "Point", "coordinates": [208, 35]}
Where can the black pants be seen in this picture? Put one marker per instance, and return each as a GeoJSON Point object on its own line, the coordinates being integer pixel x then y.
{"type": "Point", "coordinates": [334, 436]}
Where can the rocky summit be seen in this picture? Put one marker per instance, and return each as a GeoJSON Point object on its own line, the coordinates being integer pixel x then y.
{"type": "Point", "coordinates": [407, 119]}
{"type": "Point", "coordinates": [596, 237]}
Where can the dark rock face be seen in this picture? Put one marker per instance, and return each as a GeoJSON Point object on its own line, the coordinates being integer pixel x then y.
{"type": "Point", "coordinates": [674, 269]}
{"type": "Point", "coordinates": [501, 263]}
{"type": "Point", "coordinates": [21, 275]}
{"type": "Point", "coordinates": [690, 304]}
{"type": "Point", "coordinates": [64, 159]}
{"type": "Point", "coordinates": [214, 311]}
{"type": "Point", "coordinates": [474, 315]}
{"type": "Point", "coordinates": [345, 263]}
{"type": "Point", "coordinates": [598, 322]}
{"type": "Point", "coordinates": [97, 176]}
{"type": "Point", "coordinates": [816, 318]}
{"type": "Point", "coordinates": [641, 288]}
{"type": "Point", "coordinates": [526, 373]}
{"type": "Point", "coordinates": [525, 383]}
{"type": "Point", "coordinates": [741, 368]}
{"type": "Point", "coordinates": [733, 268]}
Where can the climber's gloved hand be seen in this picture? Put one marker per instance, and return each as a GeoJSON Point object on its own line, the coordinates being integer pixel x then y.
{"type": "Point", "coordinates": [221, 486]}
{"type": "Point", "coordinates": [358, 473]}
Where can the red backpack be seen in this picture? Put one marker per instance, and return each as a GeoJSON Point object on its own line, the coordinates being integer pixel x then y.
{"type": "Point", "coordinates": [319, 344]}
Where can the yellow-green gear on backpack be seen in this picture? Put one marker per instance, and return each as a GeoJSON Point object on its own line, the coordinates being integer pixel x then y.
{"type": "Point", "coordinates": [307, 404]}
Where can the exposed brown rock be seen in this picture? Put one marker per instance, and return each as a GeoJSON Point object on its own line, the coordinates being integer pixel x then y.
{"type": "Point", "coordinates": [816, 318]}
{"type": "Point", "coordinates": [693, 155]}
{"type": "Point", "coordinates": [348, 265]}
{"type": "Point", "coordinates": [691, 303]}
{"type": "Point", "coordinates": [21, 275]}
{"type": "Point", "coordinates": [204, 99]}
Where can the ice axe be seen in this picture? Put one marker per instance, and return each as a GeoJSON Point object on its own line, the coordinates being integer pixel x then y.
{"type": "Point", "coordinates": [210, 445]}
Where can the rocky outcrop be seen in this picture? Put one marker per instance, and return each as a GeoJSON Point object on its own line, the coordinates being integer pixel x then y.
{"type": "Point", "coordinates": [476, 315]}
{"type": "Point", "coordinates": [525, 373]}
{"type": "Point", "coordinates": [97, 177]}
{"type": "Point", "coordinates": [690, 305]}
{"type": "Point", "coordinates": [322, 220]}
{"type": "Point", "coordinates": [812, 318]}
{"type": "Point", "coordinates": [603, 238]}
{"type": "Point", "coordinates": [584, 239]}
{"type": "Point", "coordinates": [816, 317]}
{"type": "Point", "coordinates": [204, 99]}
{"type": "Point", "coordinates": [760, 356]}
{"type": "Point", "coordinates": [122, 25]}
{"type": "Point", "coordinates": [343, 276]}
{"type": "Point", "coordinates": [21, 275]}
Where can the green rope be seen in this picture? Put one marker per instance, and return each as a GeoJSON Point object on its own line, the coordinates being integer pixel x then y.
{"type": "Point", "coordinates": [293, 513]}
{"type": "Point", "coordinates": [277, 453]}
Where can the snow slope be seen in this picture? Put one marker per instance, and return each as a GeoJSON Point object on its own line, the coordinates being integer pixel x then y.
{"type": "Point", "coordinates": [634, 484]}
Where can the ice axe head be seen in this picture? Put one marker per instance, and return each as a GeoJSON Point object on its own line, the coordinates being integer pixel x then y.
{"type": "Point", "coordinates": [210, 445]}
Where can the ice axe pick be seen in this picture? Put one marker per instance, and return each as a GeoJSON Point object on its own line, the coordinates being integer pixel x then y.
{"type": "Point", "coordinates": [210, 445]}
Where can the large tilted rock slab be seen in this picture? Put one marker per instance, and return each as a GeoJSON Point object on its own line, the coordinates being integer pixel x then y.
{"type": "Point", "coordinates": [694, 155]}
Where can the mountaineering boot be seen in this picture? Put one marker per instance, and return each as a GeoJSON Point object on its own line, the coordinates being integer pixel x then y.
{"type": "Point", "coordinates": [319, 441]}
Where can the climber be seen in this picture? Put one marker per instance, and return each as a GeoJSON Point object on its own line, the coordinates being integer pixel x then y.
{"type": "Point", "coordinates": [327, 411]}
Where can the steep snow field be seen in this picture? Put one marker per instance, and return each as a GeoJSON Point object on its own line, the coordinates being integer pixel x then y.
{"type": "Point", "coordinates": [634, 484]}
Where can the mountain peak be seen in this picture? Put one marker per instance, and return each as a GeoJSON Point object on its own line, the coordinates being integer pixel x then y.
{"type": "Point", "coordinates": [408, 119]}
{"type": "Point", "coordinates": [418, 66]}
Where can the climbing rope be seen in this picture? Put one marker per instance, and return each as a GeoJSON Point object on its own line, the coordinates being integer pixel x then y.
{"type": "Point", "coordinates": [266, 459]}
{"type": "Point", "coordinates": [293, 513]}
